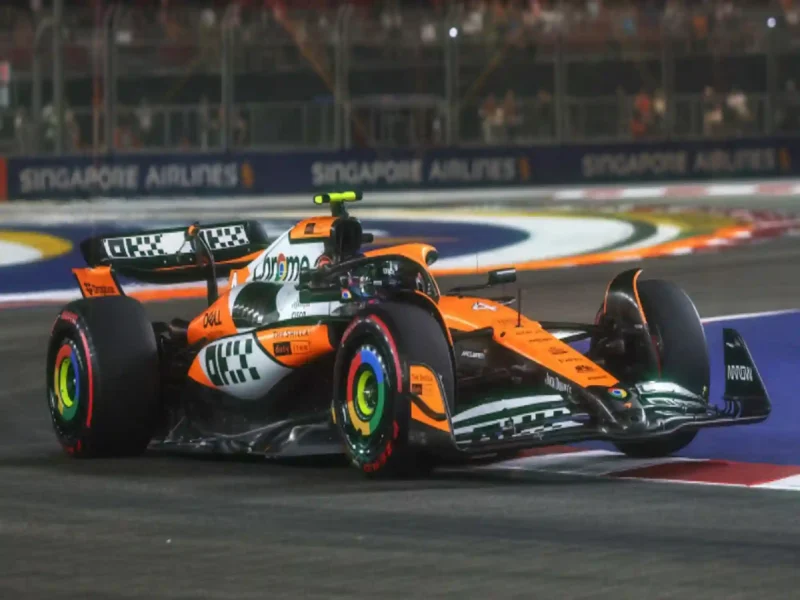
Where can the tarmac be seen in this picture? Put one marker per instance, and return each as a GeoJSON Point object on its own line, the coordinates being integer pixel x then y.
{"type": "Point", "coordinates": [172, 527]}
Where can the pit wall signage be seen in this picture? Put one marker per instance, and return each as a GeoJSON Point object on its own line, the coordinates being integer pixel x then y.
{"type": "Point", "coordinates": [258, 173]}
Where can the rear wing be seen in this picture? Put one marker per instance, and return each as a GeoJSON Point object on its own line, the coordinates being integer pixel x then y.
{"type": "Point", "coordinates": [172, 255]}
{"type": "Point", "coordinates": [195, 253]}
{"type": "Point", "coordinates": [177, 255]}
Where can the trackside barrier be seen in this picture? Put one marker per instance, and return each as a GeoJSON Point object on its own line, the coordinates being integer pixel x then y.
{"type": "Point", "coordinates": [258, 173]}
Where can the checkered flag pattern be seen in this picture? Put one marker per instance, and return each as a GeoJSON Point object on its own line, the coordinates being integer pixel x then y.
{"type": "Point", "coordinates": [227, 362]}
{"type": "Point", "coordinates": [174, 242]}
{"type": "Point", "coordinates": [139, 246]}
{"type": "Point", "coordinates": [218, 238]}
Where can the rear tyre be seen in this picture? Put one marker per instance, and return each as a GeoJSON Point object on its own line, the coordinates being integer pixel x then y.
{"type": "Point", "coordinates": [370, 409]}
{"type": "Point", "coordinates": [103, 377]}
{"type": "Point", "coordinates": [680, 342]}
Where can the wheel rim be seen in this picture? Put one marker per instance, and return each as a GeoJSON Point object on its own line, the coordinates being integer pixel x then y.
{"type": "Point", "coordinates": [67, 382]}
{"type": "Point", "coordinates": [366, 396]}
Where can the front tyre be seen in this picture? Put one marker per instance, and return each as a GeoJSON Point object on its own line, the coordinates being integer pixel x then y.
{"type": "Point", "coordinates": [103, 378]}
{"type": "Point", "coordinates": [370, 408]}
{"type": "Point", "coordinates": [679, 338]}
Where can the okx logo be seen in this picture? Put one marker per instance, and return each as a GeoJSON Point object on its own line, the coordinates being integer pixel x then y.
{"type": "Point", "coordinates": [280, 268]}
{"type": "Point", "coordinates": [228, 363]}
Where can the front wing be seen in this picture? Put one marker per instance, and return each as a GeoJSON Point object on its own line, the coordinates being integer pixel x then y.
{"type": "Point", "coordinates": [664, 408]}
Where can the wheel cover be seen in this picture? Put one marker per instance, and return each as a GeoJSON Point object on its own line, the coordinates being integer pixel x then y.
{"type": "Point", "coordinates": [366, 403]}
{"type": "Point", "coordinates": [67, 382]}
{"type": "Point", "coordinates": [367, 394]}
{"type": "Point", "coordinates": [366, 390]}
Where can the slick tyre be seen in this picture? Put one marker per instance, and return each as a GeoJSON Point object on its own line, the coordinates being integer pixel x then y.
{"type": "Point", "coordinates": [370, 407]}
{"type": "Point", "coordinates": [103, 377]}
{"type": "Point", "coordinates": [680, 342]}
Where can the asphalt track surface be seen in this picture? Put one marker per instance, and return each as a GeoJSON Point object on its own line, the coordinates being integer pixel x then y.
{"type": "Point", "coordinates": [172, 527]}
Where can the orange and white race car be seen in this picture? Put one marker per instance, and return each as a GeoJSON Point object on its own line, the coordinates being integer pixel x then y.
{"type": "Point", "coordinates": [319, 347]}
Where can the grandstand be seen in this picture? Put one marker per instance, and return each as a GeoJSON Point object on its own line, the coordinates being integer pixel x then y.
{"type": "Point", "coordinates": [316, 74]}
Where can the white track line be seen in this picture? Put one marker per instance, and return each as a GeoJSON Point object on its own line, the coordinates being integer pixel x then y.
{"type": "Point", "coordinates": [753, 315]}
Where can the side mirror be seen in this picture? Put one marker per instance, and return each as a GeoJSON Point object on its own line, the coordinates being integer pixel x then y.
{"type": "Point", "coordinates": [501, 276]}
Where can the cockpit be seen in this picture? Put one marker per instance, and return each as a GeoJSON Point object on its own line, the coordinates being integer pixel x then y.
{"type": "Point", "coordinates": [382, 276]}
{"type": "Point", "coordinates": [369, 278]}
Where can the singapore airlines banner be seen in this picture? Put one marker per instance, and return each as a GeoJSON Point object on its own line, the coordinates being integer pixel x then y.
{"type": "Point", "coordinates": [244, 173]}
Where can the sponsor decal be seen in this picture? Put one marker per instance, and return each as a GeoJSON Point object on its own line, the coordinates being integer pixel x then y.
{"type": "Point", "coordinates": [499, 169]}
{"type": "Point", "coordinates": [215, 175]}
{"type": "Point", "coordinates": [473, 354]}
{"type": "Point", "coordinates": [99, 290]}
{"type": "Point", "coordinates": [519, 331]}
{"type": "Point", "coordinates": [355, 172]}
{"type": "Point", "coordinates": [557, 350]}
{"type": "Point", "coordinates": [426, 384]}
{"type": "Point", "coordinates": [635, 164]}
{"type": "Point", "coordinates": [289, 333]}
{"type": "Point", "coordinates": [302, 347]}
{"type": "Point", "coordinates": [79, 179]}
{"type": "Point", "coordinates": [557, 384]}
{"type": "Point", "coordinates": [422, 375]}
{"type": "Point", "coordinates": [663, 387]}
{"type": "Point", "coordinates": [680, 163]}
{"type": "Point", "coordinates": [670, 402]}
{"type": "Point", "coordinates": [145, 245]}
{"type": "Point", "coordinates": [282, 348]}
{"type": "Point", "coordinates": [584, 369]}
{"type": "Point", "coordinates": [212, 319]}
{"type": "Point", "coordinates": [618, 393]}
{"type": "Point", "coordinates": [153, 244]}
{"type": "Point", "coordinates": [280, 268]}
{"type": "Point", "coordinates": [135, 177]}
{"type": "Point", "coordinates": [506, 322]}
{"type": "Point", "coordinates": [227, 362]}
{"type": "Point", "coordinates": [219, 238]}
{"type": "Point", "coordinates": [67, 315]}
{"type": "Point", "coordinates": [746, 160]}
{"type": "Point", "coordinates": [299, 309]}
{"type": "Point", "coordinates": [739, 373]}
{"type": "Point", "coordinates": [483, 306]}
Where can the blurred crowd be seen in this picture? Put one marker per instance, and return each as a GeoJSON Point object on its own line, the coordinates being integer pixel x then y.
{"type": "Point", "coordinates": [584, 21]}
{"type": "Point", "coordinates": [170, 58]}
{"type": "Point", "coordinates": [137, 128]}
{"type": "Point", "coordinates": [642, 116]}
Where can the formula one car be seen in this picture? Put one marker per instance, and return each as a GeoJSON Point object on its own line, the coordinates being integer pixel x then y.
{"type": "Point", "coordinates": [319, 346]}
